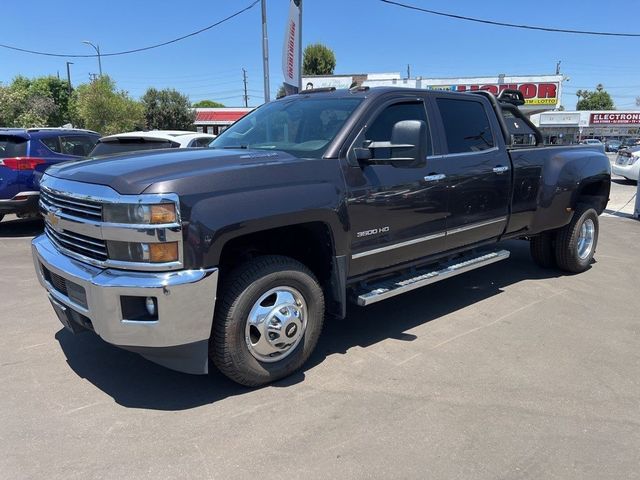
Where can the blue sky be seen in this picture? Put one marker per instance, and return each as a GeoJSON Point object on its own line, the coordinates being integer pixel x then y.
{"type": "Point", "coordinates": [366, 35]}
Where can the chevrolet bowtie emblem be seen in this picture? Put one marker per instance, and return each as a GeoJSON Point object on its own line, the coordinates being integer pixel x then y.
{"type": "Point", "coordinates": [53, 217]}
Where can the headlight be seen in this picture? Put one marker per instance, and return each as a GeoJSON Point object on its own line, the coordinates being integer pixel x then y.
{"type": "Point", "coordinates": [143, 252]}
{"type": "Point", "coordinates": [139, 214]}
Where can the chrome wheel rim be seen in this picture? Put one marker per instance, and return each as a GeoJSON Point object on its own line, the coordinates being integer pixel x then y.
{"type": "Point", "coordinates": [276, 324]}
{"type": "Point", "coordinates": [586, 238]}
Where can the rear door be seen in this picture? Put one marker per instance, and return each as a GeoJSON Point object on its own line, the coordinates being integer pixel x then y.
{"type": "Point", "coordinates": [397, 213]}
{"type": "Point", "coordinates": [477, 168]}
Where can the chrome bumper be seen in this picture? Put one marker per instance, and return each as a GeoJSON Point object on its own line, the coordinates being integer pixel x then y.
{"type": "Point", "coordinates": [185, 301]}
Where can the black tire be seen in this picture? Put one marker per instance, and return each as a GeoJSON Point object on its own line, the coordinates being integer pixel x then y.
{"type": "Point", "coordinates": [542, 250]}
{"type": "Point", "coordinates": [566, 244]}
{"type": "Point", "coordinates": [240, 291]}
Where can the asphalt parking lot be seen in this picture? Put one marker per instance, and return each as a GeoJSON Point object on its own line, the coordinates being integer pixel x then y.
{"type": "Point", "coordinates": [508, 372]}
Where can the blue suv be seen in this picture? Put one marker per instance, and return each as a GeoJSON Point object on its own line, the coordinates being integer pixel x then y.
{"type": "Point", "coordinates": [26, 153]}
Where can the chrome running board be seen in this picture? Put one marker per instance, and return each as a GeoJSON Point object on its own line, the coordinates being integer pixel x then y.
{"type": "Point", "coordinates": [384, 289]}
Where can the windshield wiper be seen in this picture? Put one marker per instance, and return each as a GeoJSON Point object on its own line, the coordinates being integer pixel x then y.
{"type": "Point", "coordinates": [235, 147]}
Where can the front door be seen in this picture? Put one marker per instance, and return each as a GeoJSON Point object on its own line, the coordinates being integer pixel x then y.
{"type": "Point", "coordinates": [397, 210]}
{"type": "Point", "coordinates": [478, 172]}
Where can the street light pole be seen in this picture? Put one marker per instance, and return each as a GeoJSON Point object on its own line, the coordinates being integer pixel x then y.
{"type": "Point", "coordinates": [97, 49]}
{"type": "Point", "coordinates": [69, 77]}
{"type": "Point", "coordinates": [265, 52]}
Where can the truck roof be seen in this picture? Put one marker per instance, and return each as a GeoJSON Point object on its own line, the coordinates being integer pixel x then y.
{"type": "Point", "coordinates": [366, 92]}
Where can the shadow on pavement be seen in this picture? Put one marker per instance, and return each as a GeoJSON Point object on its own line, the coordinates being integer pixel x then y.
{"type": "Point", "coordinates": [623, 181]}
{"type": "Point", "coordinates": [21, 227]}
{"type": "Point", "coordinates": [618, 213]}
{"type": "Point", "coordinates": [135, 382]}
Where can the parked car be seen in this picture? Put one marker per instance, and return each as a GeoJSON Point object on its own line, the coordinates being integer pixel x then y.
{"type": "Point", "coordinates": [26, 153]}
{"type": "Point", "coordinates": [151, 140]}
{"type": "Point", "coordinates": [627, 164]}
{"type": "Point", "coordinates": [237, 252]}
{"type": "Point", "coordinates": [593, 142]}
{"type": "Point", "coordinates": [629, 142]}
{"type": "Point", "coordinates": [612, 145]}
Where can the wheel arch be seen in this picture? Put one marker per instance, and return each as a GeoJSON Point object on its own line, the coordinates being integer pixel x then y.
{"type": "Point", "coordinates": [594, 192]}
{"type": "Point", "coordinates": [312, 243]}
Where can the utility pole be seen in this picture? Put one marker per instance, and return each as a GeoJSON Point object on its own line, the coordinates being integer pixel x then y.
{"type": "Point", "coordinates": [558, 67]}
{"type": "Point", "coordinates": [408, 71]}
{"type": "Point", "coordinates": [300, 51]}
{"type": "Point", "coordinates": [69, 77]}
{"type": "Point", "coordinates": [244, 79]}
{"type": "Point", "coordinates": [265, 52]}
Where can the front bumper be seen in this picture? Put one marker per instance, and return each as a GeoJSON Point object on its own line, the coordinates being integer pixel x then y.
{"type": "Point", "coordinates": [21, 204]}
{"type": "Point", "coordinates": [178, 338]}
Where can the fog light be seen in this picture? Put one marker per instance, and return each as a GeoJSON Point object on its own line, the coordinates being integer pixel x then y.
{"type": "Point", "coordinates": [151, 306]}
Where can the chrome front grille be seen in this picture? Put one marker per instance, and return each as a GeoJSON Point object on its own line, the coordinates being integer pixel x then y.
{"type": "Point", "coordinates": [80, 244]}
{"type": "Point", "coordinates": [73, 216]}
{"type": "Point", "coordinates": [71, 205]}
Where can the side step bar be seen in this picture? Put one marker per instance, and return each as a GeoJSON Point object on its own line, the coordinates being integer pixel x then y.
{"type": "Point", "coordinates": [425, 276]}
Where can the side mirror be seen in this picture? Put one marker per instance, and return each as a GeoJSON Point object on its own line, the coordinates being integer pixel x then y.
{"type": "Point", "coordinates": [408, 141]}
{"type": "Point", "coordinates": [407, 145]}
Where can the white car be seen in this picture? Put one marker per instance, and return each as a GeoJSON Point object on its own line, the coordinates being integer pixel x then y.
{"type": "Point", "coordinates": [628, 163]}
{"type": "Point", "coordinates": [150, 140]}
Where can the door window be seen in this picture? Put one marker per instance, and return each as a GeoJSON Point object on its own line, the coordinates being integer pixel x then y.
{"type": "Point", "coordinates": [466, 125]}
{"type": "Point", "coordinates": [380, 130]}
{"type": "Point", "coordinates": [52, 143]}
{"type": "Point", "coordinates": [77, 145]}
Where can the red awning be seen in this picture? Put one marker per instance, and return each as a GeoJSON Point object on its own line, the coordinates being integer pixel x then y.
{"type": "Point", "coordinates": [228, 116]}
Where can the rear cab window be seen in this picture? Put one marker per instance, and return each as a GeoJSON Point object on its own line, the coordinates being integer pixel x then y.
{"type": "Point", "coordinates": [466, 125]}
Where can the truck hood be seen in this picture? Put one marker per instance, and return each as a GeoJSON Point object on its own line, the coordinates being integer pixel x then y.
{"type": "Point", "coordinates": [132, 174]}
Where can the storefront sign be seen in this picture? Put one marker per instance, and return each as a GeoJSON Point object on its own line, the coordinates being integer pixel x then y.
{"type": "Point", "coordinates": [619, 118]}
{"type": "Point", "coordinates": [534, 93]}
{"type": "Point", "coordinates": [559, 118]}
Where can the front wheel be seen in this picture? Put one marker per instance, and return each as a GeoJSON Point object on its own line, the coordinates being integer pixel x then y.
{"type": "Point", "coordinates": [267, 321]}
{"type": "Point", "coordinates": [576, 243]}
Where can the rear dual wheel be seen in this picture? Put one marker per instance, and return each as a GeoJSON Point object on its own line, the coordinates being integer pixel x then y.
{"type": "Point", "coordinates": [572, 247]}
{"type": "Point", "coordinates": [268, 320]}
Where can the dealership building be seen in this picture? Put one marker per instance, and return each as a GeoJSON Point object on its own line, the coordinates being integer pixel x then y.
{"type": "Point", "coordinates": [564, 127]}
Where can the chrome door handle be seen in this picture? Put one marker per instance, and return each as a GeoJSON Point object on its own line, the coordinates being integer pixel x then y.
{"type": "Point", "coordinates": [500, 169]}
{"type": "Point", "coordinates": [435, 178]}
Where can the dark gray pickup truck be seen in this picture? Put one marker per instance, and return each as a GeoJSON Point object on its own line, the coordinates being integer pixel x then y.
{"type": "Point", "coordinates": [237, 253]}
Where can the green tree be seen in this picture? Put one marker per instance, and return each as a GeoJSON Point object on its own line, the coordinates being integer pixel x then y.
{"type": "Point", "coordinates": [207, 104]}
{"type": "Point", "coordinates": [167, 109]}
{"type": "Point", "coordinates": [598, 100]}
{"type": "Point", "coordinates": [281, 92]}
{"type": "Point", "coordinates": [101, 107]}
{"type": "Point", "coordinates": [58, 91]}
{"type": "Point", "coordinates": [318, 59]}
{"type": "Point", "coordinates": [37, 102]}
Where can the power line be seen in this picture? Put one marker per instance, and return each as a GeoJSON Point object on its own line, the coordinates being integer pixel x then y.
{"type": "Point", "coordinates": [135, 50]}
{"type": "Point", "coordinates": [512, 25]}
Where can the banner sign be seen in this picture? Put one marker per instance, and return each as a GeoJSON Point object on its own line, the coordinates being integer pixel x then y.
{"type": "Point", "coordinates": [534, 93]}
{"type": "Point", "coordinates": [621, 118]}
{"type": "Point", "coordinates": [291, 49]}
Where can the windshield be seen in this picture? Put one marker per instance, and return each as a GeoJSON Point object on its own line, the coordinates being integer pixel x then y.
{"type": "Point", "coordinates": [301, 127]}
